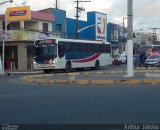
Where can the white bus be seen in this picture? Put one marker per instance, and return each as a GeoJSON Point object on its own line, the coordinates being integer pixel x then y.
{"type": "Point", "coordinates": [68, 54]}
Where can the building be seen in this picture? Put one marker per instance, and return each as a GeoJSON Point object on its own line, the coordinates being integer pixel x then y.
{"type": "Point", "coordinates": [59, 22]}
{"type": "Point", "coordinates": [22, 34]}
{"type": "Point", "coordinates": [141, 38]}
{"type": "Point", "coordinates": [20, 39]}
{"type": "Point", "coordinates": [97, 28]}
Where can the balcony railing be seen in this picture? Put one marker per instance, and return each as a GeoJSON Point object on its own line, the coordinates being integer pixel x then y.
{"type": "Point", "coordinates": [25, 35]}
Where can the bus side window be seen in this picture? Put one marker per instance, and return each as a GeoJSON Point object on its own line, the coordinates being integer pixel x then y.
{"type": "Point", "coordinates": [60, 50]}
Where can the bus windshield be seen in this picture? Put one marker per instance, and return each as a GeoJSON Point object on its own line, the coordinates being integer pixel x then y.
{"type": "Point", "coordinates": [45, 51]}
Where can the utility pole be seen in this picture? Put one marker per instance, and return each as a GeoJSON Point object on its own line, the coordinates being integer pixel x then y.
{"type": "Point", "coordinates": [56, 4]}
{"type": "Point", "coordinates": [124, 34]}
{"type": "Point", "coordinates": [130, 72]}
{"type": "Point", "coordinates": [78, 9]}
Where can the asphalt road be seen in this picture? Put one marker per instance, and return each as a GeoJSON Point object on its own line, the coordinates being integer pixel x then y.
{"type": "Point", "coordinates": [67, 104]}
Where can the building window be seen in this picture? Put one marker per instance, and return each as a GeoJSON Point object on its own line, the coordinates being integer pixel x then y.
{"type": "Point", "coordinates": [114, 35]}
{"type": "Point", "coordinates": [45, 27]}
{"type": "Point", "coordinates": [58, 27]}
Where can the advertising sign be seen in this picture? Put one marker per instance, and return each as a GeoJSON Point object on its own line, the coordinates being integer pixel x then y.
{"type": "Point", "coordinates": [22, 35]}
{"type": "Point", "coordinates": [101, 26]}
{"type": "Point", "coordinates": [43, 35]}
{"type": "Point", "coordinates": [21, 13]}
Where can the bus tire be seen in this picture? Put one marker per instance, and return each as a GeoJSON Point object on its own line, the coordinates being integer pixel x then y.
{"type": "Point", "coordinates": [97, 65]}
{"type": "Point", "coordinates": [46, 71]}
{"type": "Point", "coordinates": [68, 67]}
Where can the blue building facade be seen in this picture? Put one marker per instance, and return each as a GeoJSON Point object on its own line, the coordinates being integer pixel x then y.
{"type": "Point", "coordinates": [97, 28]}
{"type": "Point", "coordinates": [94, 28]}
{"type": "Point", "coordinates": [71, 29]}
{"type": "Point", "coordinates": [116, 35]}
{"type": "Point", "coordinates": [59, 23]}
{"type": "Point", "coordinates": [112, 34]}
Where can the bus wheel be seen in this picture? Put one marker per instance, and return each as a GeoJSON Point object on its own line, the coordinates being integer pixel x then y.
{"type": "Point", "coordinates": [68, 67]}
{"type": "Point", "coordinates": [97, 65]}
{"type": "Point", "coordinates": [46, 71]}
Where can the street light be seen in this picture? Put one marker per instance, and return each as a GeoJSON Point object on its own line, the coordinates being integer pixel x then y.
{"type": "Point", "coordinates": [6, 2]}
{"type": "Point", "coordinates": [79, 30]}
{"type": "Point", "coordinates": [5, 36]}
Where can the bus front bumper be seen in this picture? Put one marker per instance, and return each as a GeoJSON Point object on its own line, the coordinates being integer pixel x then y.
{"type": "Point", "coordinates": [44, 66]}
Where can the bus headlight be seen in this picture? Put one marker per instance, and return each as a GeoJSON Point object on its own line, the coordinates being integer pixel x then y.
{"type": "Point", "coordinates": [55, 61]}
{"type": "Point", "coordinates": [35, 63]}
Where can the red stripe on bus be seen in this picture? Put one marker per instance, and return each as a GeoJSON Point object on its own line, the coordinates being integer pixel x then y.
{"type": "Point", "coordinates": [88, 59]}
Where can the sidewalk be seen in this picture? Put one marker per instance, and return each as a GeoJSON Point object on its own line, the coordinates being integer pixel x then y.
{"type": "Point", "coordinates": [100, 77]}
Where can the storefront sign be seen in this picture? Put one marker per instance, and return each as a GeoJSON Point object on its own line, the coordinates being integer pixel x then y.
{"type": "Point", "coordinates": [101, 26]}
{"type": "Point", "coordinates": [21, 35]}
{"type": "Point", "coordinates": [43, 35]}
{"type": "Point", "coordinates": [18, 13]}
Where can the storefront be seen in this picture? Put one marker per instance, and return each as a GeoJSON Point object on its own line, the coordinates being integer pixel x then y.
{"type": "Point", "coordinates": [21, 34]}
{"type": "Point", "coordinates": [19, 49]}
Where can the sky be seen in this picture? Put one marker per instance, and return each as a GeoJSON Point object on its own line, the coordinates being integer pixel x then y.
{"type": "Point", "coordinates": [145, 12]}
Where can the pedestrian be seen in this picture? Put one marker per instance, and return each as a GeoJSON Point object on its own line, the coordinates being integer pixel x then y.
{"type": "Point", "coordinates": [136, 62]}
{"type": "Point", "coordinates": [141, 58]}
{"type": "Point", "coordinates": [144, 58]}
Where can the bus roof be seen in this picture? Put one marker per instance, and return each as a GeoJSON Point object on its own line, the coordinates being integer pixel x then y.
{"type": "Point", "coordinates": [79, 40]}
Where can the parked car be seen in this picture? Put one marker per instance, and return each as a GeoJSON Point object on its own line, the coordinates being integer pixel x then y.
{"type": "Point", "coordinates": [122, 58]}
{"type": "Point", "coordinates": [152, 60]}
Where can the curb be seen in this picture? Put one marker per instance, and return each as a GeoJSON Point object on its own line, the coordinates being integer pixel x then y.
{"type": "Point", "coordinates": [141, 70]}
{"type": "Point", "coordinates": [94, 82]}
{"type": "Point", "coordinates": [40, 79]}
